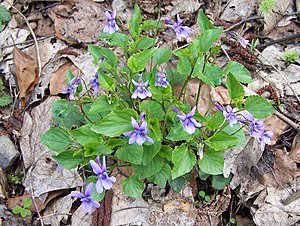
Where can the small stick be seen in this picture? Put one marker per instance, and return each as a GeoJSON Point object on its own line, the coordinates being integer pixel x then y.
{"type": "Point", "coordinates": [28, 42]}
{"type": "Point", "coordinates": [278, 40]}
{"type": "Point", "coordinates": [243, 21]}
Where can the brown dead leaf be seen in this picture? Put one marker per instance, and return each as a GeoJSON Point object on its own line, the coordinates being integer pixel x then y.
{"type": "Point", "coordinates": [18, 200]}
{"type": "Point", "coordinates": [58, 78]}
{"type": "Point", "coordinates": [283, 170]}
{"type": "Point", "coordinates": [274, 15]}
{"type": "Point", "coordinates": [26, 72]}
{"type": "Point", "coordinates": [276, 125]}
{"type": "Point", "coordinates": [295, 151]}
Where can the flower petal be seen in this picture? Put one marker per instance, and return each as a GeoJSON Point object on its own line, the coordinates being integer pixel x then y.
{"type": "Point", "coordinates": [86, 207]}
{"type": "Point", "coordinates": [96, 168]}
{"type": "Point", "coordinates": [99, 187]}
{"type": "Point", "coordinates": [107, 184]}
{"type": "Point", "coordinates": [77, 194]}
{"type": "Point", "coordinates": [89, 190]}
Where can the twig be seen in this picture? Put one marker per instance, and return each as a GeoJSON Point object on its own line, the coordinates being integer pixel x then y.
{"type": "Point", "coordinates": [225, 52]}
{"type": "Point", "coordinates": [34, 38]}
{"type": "Point", "coordinates": [279, 72]}
{"type": "Point", "coordinates": [243, 21]}
{"type": "Point", "coordinates": [28, 42]}
{"type": "Point", "coordinates": [278, 40]}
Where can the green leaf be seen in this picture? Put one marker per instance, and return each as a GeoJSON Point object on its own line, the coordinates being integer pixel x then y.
{"type": "Point", "coordinates": [166, 152]}
{"type": "Point", "coordinates": [134, 23]}
{"type": "Point", "coordinates": [198, 68]}
{"type": "Point", "coordinates": [151, 24]}
{"type": "Point", "coordinates": [153, 167]}
{"type": "Point", "coordinates": [221, 141]}
{"type": "Point", "coordinates": [132, 153]}
{"type": "Point", "coordinates": [152, 108]}
{"type": "Point", "coordinates": [159, 93]}
{"type": "Point", "coordinates": [212, 162]}
{"type": "Point", "coordinates": [184, 66]}
{"type": "Point", "coordinates": [183, 160]}
{"type": "Point", "coordinates": [207, 38]}
{"type": "Point", "coordinates": [177, 184]}
{"type": "Point", "coordinates": [177, 133]}
{"type": "Point", "coordinates": [236, 132]}
{"type": "Point", "coordinates": [203, 21]}
{"type": "Point", "coordinates": [68, 160]}
{"type": "Point", "coordinates": [56, 139]}
{"type": "Point", "coordinates": [115, 123]}
{"type": "Point", "coordinates": [162, 176]}
{"type": "Point", "coordinates": [202, 175]}
{"type": "Point", "coordinates": [240, 73]}
{"type": "Point", "coordinates": [137, 62]}
{"type": "Point", "coordinates": [212, 75]}
{"type": "Point", "coordinates": [99, 52]}
{"type": "Point", "coordinates": [27, 203]}
{"type": "Point", "coordinates": [25, 212]}
{"type": "Point", "coordinates": [154, 129]}
{"type": "Point", "coordinates": [219, 182]}
{"type": "Point", "coordinates": [93, 149]}
{"type": "Point", "coordinates": [95, 195]}
{"type": "Point", "coordinates": [5, 99]}
{"type": "Point", "coordinates": [84, 135]}
{"type": "Point", "coordinates": [4, 14]}
{"type": "Point", "coordinates": [133, 187]}
{"type": "Point", "coordinates": [144, 43]}
{"type": "Point", "coordinates": [162, 55]}
{"type": "Point", "coordinates": [17, 209]}
{"type": "Point", "coordinates": [118, 39]}
{"type": "Point", "coordinates": [150, 152]}
{"type": "Point", "coordinates": [235, 89]}
{"type": "Point", "coordinates": [106, 82]}
{"type": "Point", "coordinates": [259, 107]}
{"type": "Point", "coordinates": [104, 104]}
{"type": "Point", "coordinates": [66, 114]}
{"type": "Point", "coordinates": [215, 121]}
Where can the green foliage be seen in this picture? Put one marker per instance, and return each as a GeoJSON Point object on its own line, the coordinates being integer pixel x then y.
{"type": "Point", "coordinates": [203, 195]}
{"type": "Point", "coordinates": [24, 211]}
{"type": "Point", "coordinates": [266, 5]}
{"type": "Point", "coordinates": [259, 107]}
{"type": "Point", "coordinates": [5, 99]}
{"type": "Point", "coordinates": [153, 133]}
{"type": "Point", "coordinates": [290, 56]}
{"type": "Point", "coordinates": [5, 16]}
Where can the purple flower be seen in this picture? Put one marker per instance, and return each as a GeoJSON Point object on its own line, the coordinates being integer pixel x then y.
{"type": "Point", "coordinates": [227, 112]}
{"type": "Point", "coordinates": [244, 42]}
{"type": "Point", "coordinates": [104, 181]}
{"type": "Point", "coordinates": [111, 25]}
{"type": "Point", "coordinates": [72, 86]}
{"type": "Point", "coordinates": [256, 126]}
{"type": "Point", "coordinates": [264, 139]}
{"type": "Point", "coordinates": [95, 84]}
{"type": "Point", "coordinates": [161, 80]}
{"type": "Point", "coordinates": [141, 88]}
{"type": "Point", "coordinates": [87, 202]}
{"type": "Point", "coordinates": [139, 135]}
{"type": "Point", "coordinates": [188, 122]}
{"type": "Point", "coordinates": [181, 31]}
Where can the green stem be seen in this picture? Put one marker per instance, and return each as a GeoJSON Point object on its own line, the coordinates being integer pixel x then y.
{"type": "Point", "coordinates": [184, 86]}
{"type": "Point", "coordinates": [198, 93]}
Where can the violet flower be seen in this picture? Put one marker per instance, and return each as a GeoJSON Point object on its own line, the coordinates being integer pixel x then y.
{"type": "Point", "coordinates": [228, 114]}
{"type": "Point", "coordinates": [256, 126]}
{"type": "Point", "coordinates": [72, 86]}
{"type": "Point", "coordinates": [141, 88]}
{"type": "Point", "coordinates": [244, 42]}
{"type": "Point", "coordinates": [95, 84]}
{"type": "Point", "coordinates": [87, 202]}
{"type": "Point", "coordinates": [181, 31]}
{"type": "Point", "coordinates": [188, 122]}
{"type": "Point", "coordinates": [111, 25]}
{"type": "Point", "coordinates": [139, 135]}
{"type": "Point", "coordinates": [264, 139]}
{"type": "Point", "coordinates": [161, 80]}
{"type": "Point", "coordinates": [104, 181]}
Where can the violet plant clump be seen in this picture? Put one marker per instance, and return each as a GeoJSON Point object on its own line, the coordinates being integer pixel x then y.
{"type": "Point", "coordinates": [141, 119]}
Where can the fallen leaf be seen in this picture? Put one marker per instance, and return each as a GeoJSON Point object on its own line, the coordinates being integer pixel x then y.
{"type": "Point", "coordinates": [274, 15]}
{"type": "Point", "coordinates": [295, 151]}
{"type": "Point", "coordinates": [26, 72]}
{"type": "Point", "coordinates": [276, 125]}
{"type": "Point", "coordinates": [18, 200]}
{"type": "Point", "coordinates": [58, 78]}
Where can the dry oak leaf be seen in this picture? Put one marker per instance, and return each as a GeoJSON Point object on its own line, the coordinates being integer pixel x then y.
{"type": "Point", "coordinates": [295, 151]}
{"type": "Point", "coordinates": [27, 73]}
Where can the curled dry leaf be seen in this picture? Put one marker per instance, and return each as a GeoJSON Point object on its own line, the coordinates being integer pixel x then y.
{"type": "Point", "coordinates": [295, 151]}
{"type": "Point", "coordinates": [26, 72]}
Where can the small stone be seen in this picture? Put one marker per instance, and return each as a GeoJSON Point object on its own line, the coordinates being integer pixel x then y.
{"type": "Point", "coordinates": [8, 152]}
